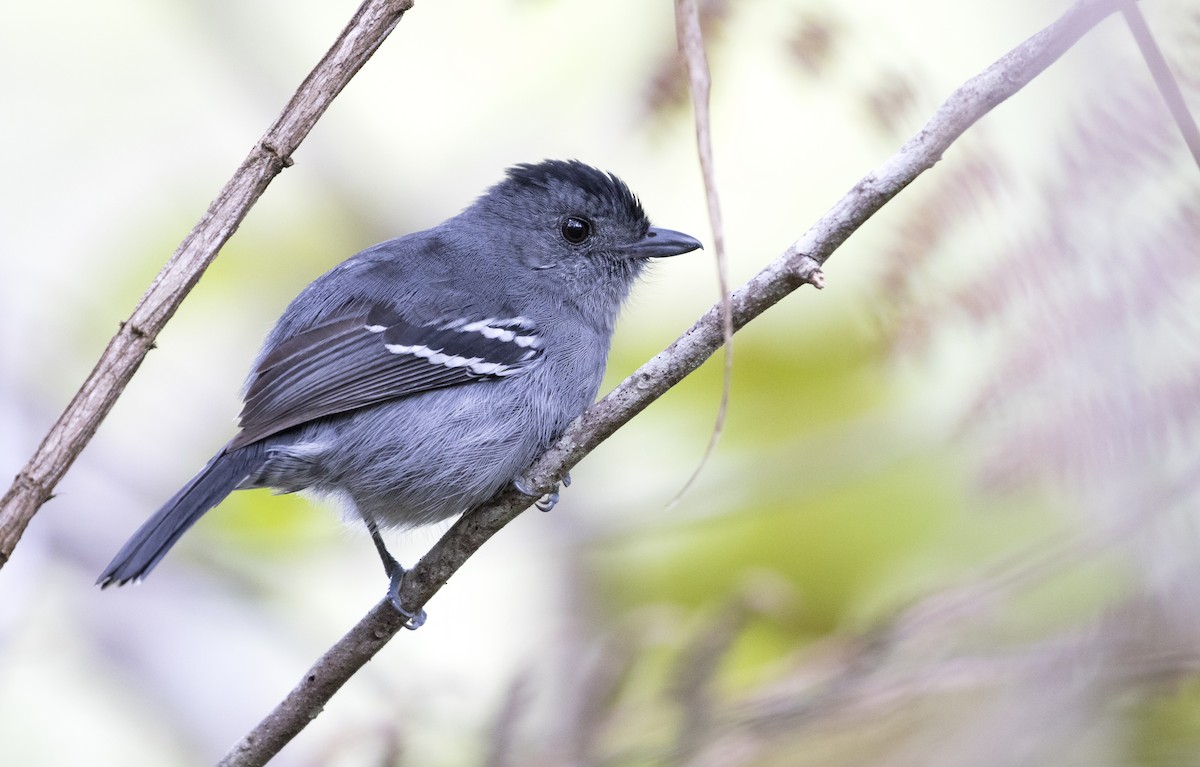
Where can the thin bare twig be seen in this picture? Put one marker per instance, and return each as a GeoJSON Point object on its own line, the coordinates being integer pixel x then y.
{"type": "Point", "coordinates": [34, 485]}
{"type": "Point", "coordinates": [800, 264]}
{"type": "Point", "coordinates": [691, 45]}
{"type": "Point", "coordinates": [1161, 72]}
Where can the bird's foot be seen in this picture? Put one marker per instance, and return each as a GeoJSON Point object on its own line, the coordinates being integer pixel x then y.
{"type": "Point", "coordinates": [550, 499]}
{"type": "Point", "coordinates": [412, 621]}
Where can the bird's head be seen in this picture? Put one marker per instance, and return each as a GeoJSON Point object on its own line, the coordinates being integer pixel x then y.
{"type": "Point", "coordinates": [575, 230]}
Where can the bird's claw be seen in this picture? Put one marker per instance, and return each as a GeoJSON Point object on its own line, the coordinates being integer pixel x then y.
{"type": "Point", "coordinates": [550, 499]}
{"type": "Point", "coordinates": [412, 621]}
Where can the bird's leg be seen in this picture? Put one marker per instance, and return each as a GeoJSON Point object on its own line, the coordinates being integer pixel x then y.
{"type": "Point", "coordinates": [395, 572]}
{"type": "Point", "coordinates": [550, 499]}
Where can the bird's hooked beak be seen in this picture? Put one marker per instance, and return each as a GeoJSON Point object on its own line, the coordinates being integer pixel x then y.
{"type": "Point", "coordinates": [660, 243]}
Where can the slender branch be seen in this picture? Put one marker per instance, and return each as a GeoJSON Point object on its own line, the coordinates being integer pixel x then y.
{"type": "Point", "coordinates": [1161, 72]}
{"type": "Point", "coordinates": [798, 265]}
{"type": "Point", "coordinates": [34, 485]}
{"type": "Point", "coordinates": [691, 43]}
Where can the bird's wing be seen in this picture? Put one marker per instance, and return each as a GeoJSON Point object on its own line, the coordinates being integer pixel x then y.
{"type": "Point", "coordinates": [375, 356]}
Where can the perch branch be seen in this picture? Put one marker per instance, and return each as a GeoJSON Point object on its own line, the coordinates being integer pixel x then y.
{"type": "Point", "coordinates": [799, 264]}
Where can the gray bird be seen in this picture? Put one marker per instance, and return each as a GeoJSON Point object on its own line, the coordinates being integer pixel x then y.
{"type": "Point", "coordinates": [417, 378]}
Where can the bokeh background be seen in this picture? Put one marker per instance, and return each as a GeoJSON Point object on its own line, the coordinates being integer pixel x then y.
{"type": "Point", "coordinates": [952, 518]}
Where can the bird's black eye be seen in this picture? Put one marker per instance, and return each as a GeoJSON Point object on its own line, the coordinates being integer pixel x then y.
{"type": "Point", "coordinates": [575, 229]}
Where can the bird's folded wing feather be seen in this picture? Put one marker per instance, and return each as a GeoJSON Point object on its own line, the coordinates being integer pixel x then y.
{"type": "Point", "coordinates": [376, 356]}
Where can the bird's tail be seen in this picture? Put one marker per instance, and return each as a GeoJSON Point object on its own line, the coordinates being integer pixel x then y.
{"type": "Point", "coordinates": [158, 534]}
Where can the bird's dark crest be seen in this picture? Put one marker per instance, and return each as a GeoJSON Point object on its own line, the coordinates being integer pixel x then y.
{"type": "Point", "coordinates": [603, 186]}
